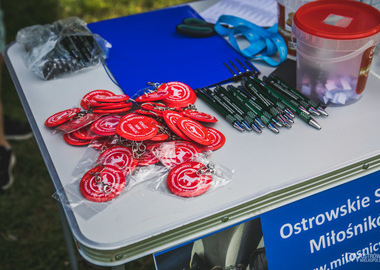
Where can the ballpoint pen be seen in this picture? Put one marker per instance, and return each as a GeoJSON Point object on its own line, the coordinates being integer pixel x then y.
{"type": "Point", "coordinates": [315, 105]}
{"type": "Point", "coordinates": [233, 108]}
{"type": "Point", "coordinates": [252, 99]}
{"type": "Point", "coordinates": [228, 108]}
{"type": "Point", "coordinates": [270, 106]}
{"type": "Point", "coordinates": [273, 83]}
{"type": "Point", "coordinates": [242, 106]}
{"type": "Point", "coordinates": [250, 105]}
{"type": "Point", "coordinates": [304, 116]}
{"type": "Point", "coordinates": [230, 118]}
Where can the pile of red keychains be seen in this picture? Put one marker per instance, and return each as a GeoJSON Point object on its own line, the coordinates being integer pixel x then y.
{"type": "Point", "coordinates": [159, 127]}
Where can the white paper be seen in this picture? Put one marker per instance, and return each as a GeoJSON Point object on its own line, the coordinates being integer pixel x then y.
{"type": "Point", "coordinates": [260, 12]}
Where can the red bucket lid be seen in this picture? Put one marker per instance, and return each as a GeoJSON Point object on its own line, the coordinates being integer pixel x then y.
{"type": "Point", "coordinates": [338, 19]}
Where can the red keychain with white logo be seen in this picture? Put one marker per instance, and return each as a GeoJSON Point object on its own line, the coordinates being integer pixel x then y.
{"type": "Point", "coordinates": [149, 156]}
{"type": "Point", "coordinates": [176, 152]}
{"type": "Point", "coordinates": [85, 102]}
{"type": "Point", "coordinates": [112, 99]}
{"type": "Point", "coordinates": [181, 95]}
{"type": "Point", "coordinates": [72, 140]}
{"type": "Point", "coordinates": [106, 126]}
{"type": "Point", "coordinates": [171, 118]}
{"type": "Point", "coordinates": [189, 179]}
{"type": "Point", "coordinates": [85, 134]}
{"type": "Point", "coordinates": [194, 130]}
{"type": "Point", "coordinates": [79, 121]}
{"type": "Point", "coordinates": [137, 127]}
{"type": "Point", "coordinates": [217, 139]}
{"type": "Point", "coordinates": [61, 117]}
{"type": "Point", "coordinates": [153, 96]}
{"type": "Point", "coordinates": [102, 183]}
{"type": "Point", "coordinates": [119, 156]}
{"type": "Point", "coordinates": [199, 116]}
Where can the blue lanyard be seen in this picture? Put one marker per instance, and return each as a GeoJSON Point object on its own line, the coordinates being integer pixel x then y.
{"type": "Point", "coordinates": [264, 43]}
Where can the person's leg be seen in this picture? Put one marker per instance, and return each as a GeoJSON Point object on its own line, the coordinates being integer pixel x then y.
{"type": "Point", "coordinates": [7, 158]}
{"type": "Point", "coordinates": [3, 140]}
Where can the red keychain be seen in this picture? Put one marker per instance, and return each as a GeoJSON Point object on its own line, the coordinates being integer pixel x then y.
{"type": "Point", "coordinates": [112, 99]}
{"type": "Point", "coordinates": [181, 95]}
{"type": "Point", "coordinates": [102, 183]}
{"type": "Point", "coordinates": [189, 179]}
{"type": "Point", "coordinates": [171, 118]}
{"type": "Point", "coordinates": [106, 126]}
{"type": "Point", "coordinates": [79, 121]}
{"type": "Point", "coordinates": [176, 152]}
{"type": "Point", "coordinates": [137, 127]}
{"type": "Point", "coordinates": [72, 140]}
{"type": "Point", "coordinates": [85, 134]}
{"type": "Point", "coordinates": [194, 130]}
{"type": "Point", "coordinates": [108, 111]}
{"type": "Point", "coordinates": [61, 117]}
{"type": "Point", "coordinates": [153, 96]}
{"type": "Point", "coordinates": [103, 143]}
{"type": "Point", "coordinates": [149, 157]}
{"type": "Point", "coordinates": [217, 139]}
{"type": "Point", "coordinates": [90, 96]}
{"type": "Point", "coordinates": [119, 156]}
{"type": "Point", "coordinates": [199, 116]}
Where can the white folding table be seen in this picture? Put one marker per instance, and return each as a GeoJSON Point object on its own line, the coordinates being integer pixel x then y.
{"type": "Point", "coordinates": [270, 170]}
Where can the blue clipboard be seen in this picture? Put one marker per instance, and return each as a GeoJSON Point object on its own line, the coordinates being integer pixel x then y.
{"type": "Point", "coordinates": [147, 48]}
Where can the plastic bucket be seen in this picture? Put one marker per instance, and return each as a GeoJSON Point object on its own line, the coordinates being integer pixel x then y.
{"type": "Point", "coordinates": [335, 46]}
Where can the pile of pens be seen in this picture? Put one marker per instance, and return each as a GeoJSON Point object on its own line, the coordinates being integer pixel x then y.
{"type": "Point", "coordinates": [256, 104]}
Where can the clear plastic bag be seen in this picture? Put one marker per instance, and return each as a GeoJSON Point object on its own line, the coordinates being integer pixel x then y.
{"type": "Point", "coordinates": [193, 177]}
{"type": "Point", "coordinates": [64, 46]}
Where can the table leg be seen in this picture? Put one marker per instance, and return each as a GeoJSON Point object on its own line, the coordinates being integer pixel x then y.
{"type": "Point", "coordinates": [68, 238]}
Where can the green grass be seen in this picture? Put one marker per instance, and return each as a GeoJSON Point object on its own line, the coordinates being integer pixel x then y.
{"type": "Point", "coordinates": [30, 231]}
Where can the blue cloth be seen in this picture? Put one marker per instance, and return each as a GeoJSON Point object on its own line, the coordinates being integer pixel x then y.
{"type": "Point", "coordinates": [147, 48]}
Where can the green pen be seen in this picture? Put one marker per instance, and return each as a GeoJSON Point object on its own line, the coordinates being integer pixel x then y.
{"type": "Point", "coordinates": [270, 106]}
{"type": "Point", "coordinates": [304, 116]}
{"type": "Point", "coordinates": [242, 106]}
{"type": "Point", "coordinates": [245, 100]}
{"type": "Point", "coordinates": [278, 87]}
{"type": "Point", "coordinates": [230, 118]}
{"type": "Point", "coordinates": [247, 121]}
{"type": "Point", "coordinates": [278, 101]}
{"type": "Point", "coordinates": [243, 90]}
{"type": "Point", "coordinates": [229, 108]}
{"type": "Point", "coordinates": [299, 94]}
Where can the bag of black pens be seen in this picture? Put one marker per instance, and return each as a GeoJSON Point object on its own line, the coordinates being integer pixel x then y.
{"type": "Point", "coordinates": [62, 47]}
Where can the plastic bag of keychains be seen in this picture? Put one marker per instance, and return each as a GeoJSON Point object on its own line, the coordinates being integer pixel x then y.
{"type": "Point", "coordinates": [64, 46]}
{"type": "Point", "coordinates": [173, 153]}
{"type": "Point", "coordinates": [193, 178]}
{"type": "Point", "coordinates": [137, 160]}
{"type": "Point", "coordinates": [103, 175]}
{"type": "Point", "coordinates": [100, 177]}
{"type": "Point", "coordinates": [72, 120]}
{"type": "Point", "coordinates": [93, 191]}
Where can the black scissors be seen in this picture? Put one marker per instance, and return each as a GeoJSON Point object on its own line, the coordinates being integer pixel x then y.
{"type": "Point", "coordinates": [195, 27]}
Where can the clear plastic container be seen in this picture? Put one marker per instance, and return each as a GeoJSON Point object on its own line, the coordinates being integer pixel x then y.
{"type": "Point", "coordinates": [335, 46]}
